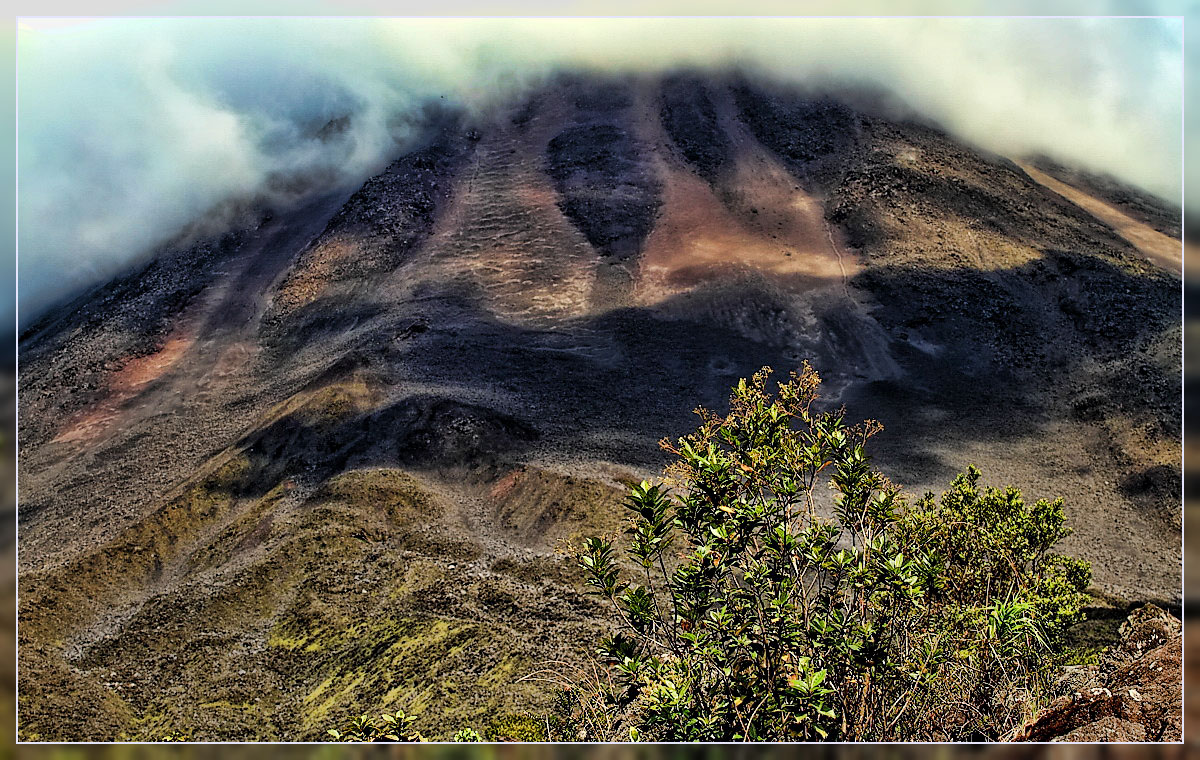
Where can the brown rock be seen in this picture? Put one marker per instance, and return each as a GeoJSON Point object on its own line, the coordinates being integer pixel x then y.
{"type": "Point", "coordinates": [1109, 729]}
{"type": "Point", "coordinates": [1140, 700]}
{"type": "Point", "coordinates": [1148, 627]}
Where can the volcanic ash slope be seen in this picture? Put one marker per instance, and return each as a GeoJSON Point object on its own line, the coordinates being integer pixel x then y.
{"type": "Point", "coordinates": [326, 463]}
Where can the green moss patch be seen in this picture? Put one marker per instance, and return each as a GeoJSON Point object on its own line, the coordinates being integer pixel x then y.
{"type": "Point", "coordinates": [401, 496]}
{"type": "Point", "coordinates": [541, 506]}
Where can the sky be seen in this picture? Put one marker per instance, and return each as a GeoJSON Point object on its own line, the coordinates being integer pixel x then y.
{"type": "Point", "coordinates": [131, 128]}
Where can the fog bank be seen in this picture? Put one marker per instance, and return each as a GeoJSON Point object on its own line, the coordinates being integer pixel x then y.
{"type": "Point", "coordinates": [129, 129]}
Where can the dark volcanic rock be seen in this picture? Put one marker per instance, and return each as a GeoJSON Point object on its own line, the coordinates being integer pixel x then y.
{"type": "Point", "coordinates": [607, 187]}
{"type": "Point", "coordinates": [594, 96]}
{"type": "Point", "coordinates": [68, 355]}
{"type": "Point", "coordinates": [319, 440]}
{"type": "Point", "coordinates": [690, 119]}
{"type": "Point", "coordinates": [446, 432]}
{"type": "Point", "coordinates": [386, 219]}
{"type": "Point", "coordinates": [400, 201]}
{"type": "Point", "coordinates": [813, 135]}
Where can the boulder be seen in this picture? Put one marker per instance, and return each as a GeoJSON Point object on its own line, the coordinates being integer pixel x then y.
{"type": "Point", "coordinates": [1134, 695]}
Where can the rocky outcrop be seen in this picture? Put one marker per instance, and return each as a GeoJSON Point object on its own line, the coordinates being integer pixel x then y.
{"type": "Point", "coordinates": [607, 186]}
{"type": "Point", "coordinates": [1134, 694]}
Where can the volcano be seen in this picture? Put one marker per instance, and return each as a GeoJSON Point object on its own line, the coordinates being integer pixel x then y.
{"type": "Point", "coordinates": [328, 461]}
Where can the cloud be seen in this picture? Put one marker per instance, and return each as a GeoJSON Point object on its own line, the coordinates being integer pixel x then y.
{"type": "Point", "coordinates": [131, 128]}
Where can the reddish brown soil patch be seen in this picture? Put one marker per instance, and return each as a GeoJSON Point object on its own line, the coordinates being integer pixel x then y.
{"type": "Point", "coordinates": [124, 384]}
{"type": "Point", "coordinates": [146, 369]}
{"type": "Point", "coordinates": [1134, 694]}
{"type": "Point", "coordinates": [505, 485]}
{"type": "Point", "coordinates": [86, 425]}
{"type": "Point", "coordinates": [766, 224]}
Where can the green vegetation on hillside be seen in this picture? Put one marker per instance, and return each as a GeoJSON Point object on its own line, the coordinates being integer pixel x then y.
{"type": "Point", "coordinates": [782, 589]}
{"type": "Point", "coordinates": [752, 616]}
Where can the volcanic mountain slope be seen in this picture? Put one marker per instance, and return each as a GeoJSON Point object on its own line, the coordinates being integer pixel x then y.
{"type": "Point", "coordinates": [326, 463]}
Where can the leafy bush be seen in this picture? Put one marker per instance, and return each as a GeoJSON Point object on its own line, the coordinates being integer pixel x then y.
{"type": "Point", "coordinates": [756, 617]}
{"type": "Point", "coordinates": [467, 735]}
{"type": "Point", "coordinates": [387, 728]}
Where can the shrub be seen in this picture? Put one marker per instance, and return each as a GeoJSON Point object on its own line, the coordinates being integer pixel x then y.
{"type": "Point", "coordinates": [516, 728]}
{"type": "Point", "coordinates": [467, 735]}
{"type": "Point", "coordinates": [754, 616]}
{"type": "Point", "coordinates": [387, 728]}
